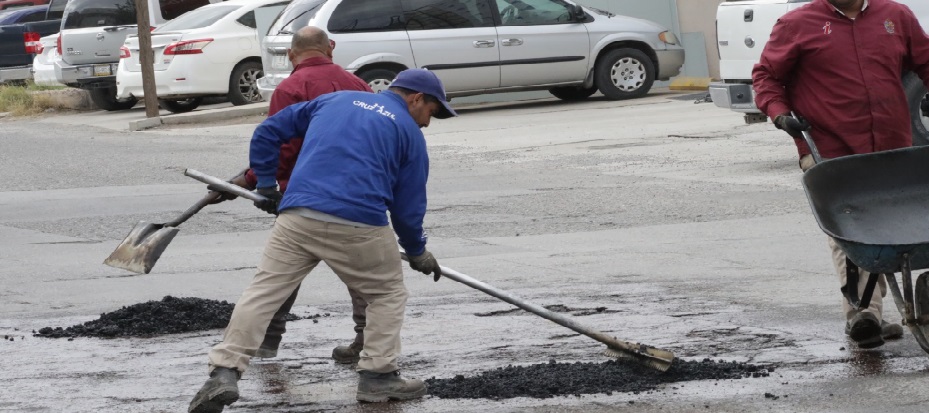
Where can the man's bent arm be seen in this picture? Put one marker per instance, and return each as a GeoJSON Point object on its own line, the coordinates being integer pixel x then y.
{"type": "Point", "coordinates": [777, 63]}
{"type": "Point", "coordinates": [266, 143]}
{"type": "Point", "coordinates": [409, 204]}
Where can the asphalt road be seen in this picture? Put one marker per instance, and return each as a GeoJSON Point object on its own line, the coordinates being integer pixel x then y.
{"type": "Point", "coordinates": [690, 227]}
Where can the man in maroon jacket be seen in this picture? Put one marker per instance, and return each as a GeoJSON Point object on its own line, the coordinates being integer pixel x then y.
{"type": "Point", "coordinates": [314, 74]}
{"type": "Point", "coordinates": [838, 65]}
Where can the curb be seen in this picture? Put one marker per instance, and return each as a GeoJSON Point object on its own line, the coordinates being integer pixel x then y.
{"type": "Point", "coordinates": [70, 98]}
{"type": "Point", "coordinates": [690, 83]}
{"type": "Point", "coordinates": [210, 115]}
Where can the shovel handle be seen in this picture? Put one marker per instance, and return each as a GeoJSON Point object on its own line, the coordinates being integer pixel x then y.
{"type": "Point", "coordinates": [543, 312]}
{"type": "Point", "coordinates": [223, 185]}
{"type": "Point", "coordinates": [195, 208]}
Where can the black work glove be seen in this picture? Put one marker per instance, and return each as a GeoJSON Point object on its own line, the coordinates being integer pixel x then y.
{"type": "Point", "coordinates": [793, 126]}
{"type": "Point", "coordinates": [274, 198]}
{"type": "Point", "coordinates": [426, 264]}
{"type": "Point", "coordinates": [924, 106]}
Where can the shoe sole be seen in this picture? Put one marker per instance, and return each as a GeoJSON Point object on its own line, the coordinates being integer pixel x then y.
{"type": "Point", "coordinates": [867, 334]}
{"type": "Point", "coordinates": [386, 396]}
{"type": "Point", "coordinates": [217, 403]}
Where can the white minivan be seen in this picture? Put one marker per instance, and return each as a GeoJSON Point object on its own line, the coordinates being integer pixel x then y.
{"type": "Point", "coordinates": [484, 46]}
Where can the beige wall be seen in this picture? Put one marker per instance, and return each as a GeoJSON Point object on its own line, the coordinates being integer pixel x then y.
{"type": "Point", "coordinates": [700, 16]}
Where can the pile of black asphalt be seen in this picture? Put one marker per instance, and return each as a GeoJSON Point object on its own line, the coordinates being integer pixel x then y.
{"type": "Point", "coordinates": [574, 379]}
{"type": "Point", "coordinates": [171, 315]}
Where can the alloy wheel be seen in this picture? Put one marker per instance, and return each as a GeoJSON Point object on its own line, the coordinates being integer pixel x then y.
{"type": "Point", "coordinates": [628, 74]}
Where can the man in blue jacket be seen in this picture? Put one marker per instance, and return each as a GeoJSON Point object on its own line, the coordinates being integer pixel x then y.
{"type": "Point", "coordinates": [364, 155]}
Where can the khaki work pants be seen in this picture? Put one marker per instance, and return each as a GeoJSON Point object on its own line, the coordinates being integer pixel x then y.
{"type": "Point", "coordinates": [365, 259]}
{"type": "Point", "coordinates": [839, 260]}
{"type": "Point", "coordinates": [278, 325]}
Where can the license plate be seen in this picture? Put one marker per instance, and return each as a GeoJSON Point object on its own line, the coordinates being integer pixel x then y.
{"type": "Point", "coordinates": [102, 70]}
{"type": "Point", "coordinates": [279, 62]}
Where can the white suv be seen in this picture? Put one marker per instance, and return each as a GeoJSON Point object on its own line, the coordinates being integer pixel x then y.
{"type": "Point", "coordinates": [484, 46]}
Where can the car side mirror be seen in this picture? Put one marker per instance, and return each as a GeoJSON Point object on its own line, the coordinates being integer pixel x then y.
{"type": "Point", "coordinates": [577, 13]}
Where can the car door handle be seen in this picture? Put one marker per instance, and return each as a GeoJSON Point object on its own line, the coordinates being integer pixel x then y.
{"type": "Point", "coordinates": [511, 42]}
{"type": "Point", "coordinates": [484, 43]}
{"type": "Point", "coordinates": [277, 50]}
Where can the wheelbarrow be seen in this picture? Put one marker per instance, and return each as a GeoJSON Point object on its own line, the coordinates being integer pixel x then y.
{"type": "Point", "coordinates": [876, 208]}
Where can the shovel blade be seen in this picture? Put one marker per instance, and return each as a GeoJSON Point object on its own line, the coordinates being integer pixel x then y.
{"type": "Point", "coordinates": [141, 248]}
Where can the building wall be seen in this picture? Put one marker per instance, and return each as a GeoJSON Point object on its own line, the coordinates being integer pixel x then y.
{"type": "Point", "coordinates": [694, 21]}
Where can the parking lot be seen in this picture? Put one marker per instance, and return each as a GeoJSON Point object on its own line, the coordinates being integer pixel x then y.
{"type": "Point", "coordinates": [688, 226]}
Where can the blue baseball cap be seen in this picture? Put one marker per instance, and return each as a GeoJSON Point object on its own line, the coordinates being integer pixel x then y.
{"type": "Point", "coordinates": [424, 81]}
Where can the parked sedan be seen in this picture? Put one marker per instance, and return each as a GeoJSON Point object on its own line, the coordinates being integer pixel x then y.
{"type": "Point", "coordinates": [43, 66]}
{"type": "Point", "coordinates": [210, 51]}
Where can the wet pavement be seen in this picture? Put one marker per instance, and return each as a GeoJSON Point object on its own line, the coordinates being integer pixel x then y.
{"type": "Point", "coordinates": [692, 235]}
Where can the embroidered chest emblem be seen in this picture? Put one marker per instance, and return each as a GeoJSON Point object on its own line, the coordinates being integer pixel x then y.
{"type": "Point", "coordinates": [827, 29]}
{"type": "Point", "coordinates": [889, 26]}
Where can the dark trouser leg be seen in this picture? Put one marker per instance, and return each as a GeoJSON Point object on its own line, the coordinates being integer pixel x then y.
{"type": "Point", "coordinates": [277, 328]}
{"type": "Point", "coordinates": [359, 305]}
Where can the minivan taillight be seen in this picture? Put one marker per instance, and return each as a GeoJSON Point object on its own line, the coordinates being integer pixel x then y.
{"type": "Point", "coordinates": [124, 52]}
{"type": "Point", "coordinates": [33, 44]}
{"type": "Point", "coordinates": [58, 45]}
{"type": "Point", "coordinates": [187, 47]}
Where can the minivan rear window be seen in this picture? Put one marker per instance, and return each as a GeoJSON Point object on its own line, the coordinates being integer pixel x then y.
{"type": "Point", "coordinates": [172, 9]}
{"type": "Point", "coordinates": [95, 13]}
{"type": "Point", "coordinates": [367, 16]}
{"type": "Point", "coordinates": [199, 18]}
{"type": "Point", "coordinates": [295, 16]}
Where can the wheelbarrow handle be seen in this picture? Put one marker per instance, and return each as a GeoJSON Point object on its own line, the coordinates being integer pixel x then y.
{"type": "Point", "coordinates": [809, 141]}
{"type": "Point", "coordinates": [223, 186]}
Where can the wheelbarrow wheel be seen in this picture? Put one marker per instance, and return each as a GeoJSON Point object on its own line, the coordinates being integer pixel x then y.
{"type": "Point", "coordinates": [915, 312]}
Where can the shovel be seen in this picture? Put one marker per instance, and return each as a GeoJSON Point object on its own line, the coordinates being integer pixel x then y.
{"type": "Point", "coordinates": [146, 241]}
{"type": "Point", "coordinates": [652, 357]}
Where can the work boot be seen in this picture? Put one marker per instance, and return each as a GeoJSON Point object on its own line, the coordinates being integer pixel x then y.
{"type": "Point", "coordinates": [220, 390]}
{"type": "Point", "coordinates": [381, 387]}
{"type": "Point", "coordinates": [865, 330]}
{"type": "Point", "coordinates": [347, 354]}
{"type": "Point", "coordinates": [891, 331]}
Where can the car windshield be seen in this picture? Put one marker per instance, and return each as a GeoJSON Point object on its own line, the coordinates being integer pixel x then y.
{"type": "Point", "coordinates": [295, 17]}
{"type": "Point", "coordinates": [199, 18]}
{"type": "Point", "coordinates": [5, 15]}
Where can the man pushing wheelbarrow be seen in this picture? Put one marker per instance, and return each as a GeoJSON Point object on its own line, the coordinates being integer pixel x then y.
{"type": "Point", "coordinates": [838, 64]}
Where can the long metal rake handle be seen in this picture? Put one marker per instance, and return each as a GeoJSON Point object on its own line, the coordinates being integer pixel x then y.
{"type": "Point", "coordinates": [634, 349]}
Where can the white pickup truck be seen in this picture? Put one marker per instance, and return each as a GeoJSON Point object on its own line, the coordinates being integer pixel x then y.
{"type": "Point", "coordinates": [742, 30]}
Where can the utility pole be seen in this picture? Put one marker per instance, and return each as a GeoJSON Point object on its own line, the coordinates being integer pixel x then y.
{"type": "Point", "coordinates": [146, 59]}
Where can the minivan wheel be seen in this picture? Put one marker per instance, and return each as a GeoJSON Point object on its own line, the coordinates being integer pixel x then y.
{"type": "Point", "coordinates": [378, 79]}
{"type": "Point", "coordinates": [105, 98]}
{"type": "Point", "coordinates": [915, 92]}
{"type": "Point", "coordinates": [624, 74]}
{"type": "Point", "coordinates": [571, 93]}
{"type": "Point", "coordinates": [180, 106]}
{"type": "Point", "coordinates": [243, 84]}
